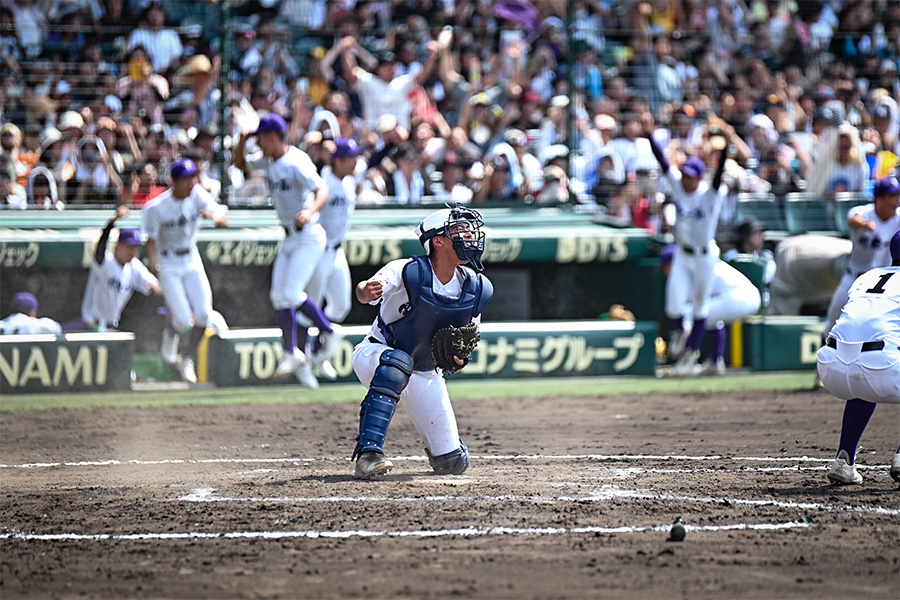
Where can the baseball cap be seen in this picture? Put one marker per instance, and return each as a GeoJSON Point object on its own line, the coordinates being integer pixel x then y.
{"type": "Point", "coordinates": [346, 147]}
{"type": "Point", "coordinates": [25, 303]}
{"type": "Point", "coordinates": [130, 236]}
{"type": "Point", "coordinates": [693, 167]}
{"type": "Point", "coordinates": [895, 247]}
{"type": "Point", "coordinates": [271, 122]}
{"type": "Point", "coordinates": [514, 137]}
{"type": "Point", "coordinates": [823, 113]}
{"type": "Point", "coordinates": [183, 167]}
{"type": "Point", "coordinates": [748, 226]}
{"type": "Point", "coordinates": [887, 186]}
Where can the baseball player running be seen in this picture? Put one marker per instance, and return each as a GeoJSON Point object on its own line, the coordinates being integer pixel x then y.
{"type": "Point", "coordinates": [860, 361]}
{"type": "Point", "coordinates": [171, 221]}
{"type": "Point", "coordinates": [698, 205]}
{"type": "Point", "coordinates": [331, 280]}
{"type": "Point", "coordinates": [114, 277]}
{"type": "Point", "coordinates": [298, 194]}
{"type": "Point", "coordinates": [420, 296]}
{"type": "Point", "coordinates": [23, 318]}
{"type": "Point", "coordinates": [731, 298]}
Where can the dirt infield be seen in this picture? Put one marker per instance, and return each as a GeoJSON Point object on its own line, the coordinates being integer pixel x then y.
{"type": "Point", "coordinates": [565, 498]}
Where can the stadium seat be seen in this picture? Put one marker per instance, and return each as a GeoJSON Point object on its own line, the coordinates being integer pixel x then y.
{"type": "Point", "coordinates": [764, 207]}
{"type": "Point", "coordinates": [806, 213]}
{"type": "Point", "coordinates": [842, 204]}
{"type": "Point", "coordinates": [753, 269]}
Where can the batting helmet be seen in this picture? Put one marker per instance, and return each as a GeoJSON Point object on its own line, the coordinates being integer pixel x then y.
{"type": "Point", "coordinates": [895, 249]}
{"type": "Point", "coordinates": [462, 226]}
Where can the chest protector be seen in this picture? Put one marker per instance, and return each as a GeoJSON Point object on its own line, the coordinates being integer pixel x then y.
{"type": "Point", "coordinates": [427, 311]}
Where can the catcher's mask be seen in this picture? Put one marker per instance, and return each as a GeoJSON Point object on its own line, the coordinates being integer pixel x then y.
{"type": "Point", "coordinates": [460, 225]}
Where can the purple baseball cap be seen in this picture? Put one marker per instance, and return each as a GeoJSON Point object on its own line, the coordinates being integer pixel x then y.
{"type": "Point", "coordinates": [130, 236]}
{"type": "Point", "coordinates": [887, 186]}
{"type": "Point", "coordinates": [183, 167]}
{"type": "Point", "coordinates": [346, 147]}
{"type": "Point", "coordinates": [271, 122]}
{"type": "Point", "coordinates": [693, 167]}
{"type": "Point", "coordinates": [25, 303]}
{"type": "Point", "coordinates": [895, 247]}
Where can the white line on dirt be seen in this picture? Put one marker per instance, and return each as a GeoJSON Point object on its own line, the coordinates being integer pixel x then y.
{"type": "Point", "coordinates": [500, 457]}
{"type": "Point", "coordinates": [604, 494]}
{"type": "Point", "coordinates": [463, 532]}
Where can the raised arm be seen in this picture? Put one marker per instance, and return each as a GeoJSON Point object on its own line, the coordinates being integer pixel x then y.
{"type": "Point", "coordinates": [100, 251]}
{"type": "Point", "coordinates": [720, 169]}
{"type": "Point", "coordinates": [348, 59]}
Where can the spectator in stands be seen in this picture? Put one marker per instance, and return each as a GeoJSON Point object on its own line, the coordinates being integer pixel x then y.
{"type": "Point", "coordinates": [750, 245]}
{"type": "Point", "coordinates": [143, 185]}
{"type": "Point", "coordinates": [12, 195]}
{"type": "Point", "coordinates": [634, 151]}
{"type": "Point", "coordinates": [31, 25]}
{"type": "Point", "coordinates": [42, 190]}
{"type": "Point", "coordinates": [163, 44]}
{"type": "Point", "coordinates": [451, 187]}
{"type": "Point", "coordinates": [142, 90]}
{"type": "Point", "coordinates": [246, 58]}
{"type": "Point", "coordinates": [96, 179]}
{"type": "Point", "coordinates": [23, 318]}
{"type": "Point", "coordinates": [841, 167]}
{"type": "Point", "coordinates": [201, 93]}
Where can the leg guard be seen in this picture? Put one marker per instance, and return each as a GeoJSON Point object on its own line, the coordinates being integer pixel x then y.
{"type": "Point", "coordinates": [378, 406]}
{"type": "Point", "coordinates": [452, 463]}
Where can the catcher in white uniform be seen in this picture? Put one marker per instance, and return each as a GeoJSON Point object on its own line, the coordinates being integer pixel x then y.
{"type": "Point", "coordinates": [171, 221]}
{"type": "Point", "coordinates": [860, 361]}
{"type": "Point", "coordinates": [23, 318]}
{"type": "Point", "coordinates": [405, 354]}
{"type": "Point", "coordinates": [871, 228]}
{"type": "Point", "coordinates": [698, 205]}
{"type": "Point", "coordinates": [298, 194]}
{"type": "Point", "coordinates": [731, 298]}
{"type": "Point", "coordinates": [330, 284]}
{"type": "Point", "coordinates": [114, 277]}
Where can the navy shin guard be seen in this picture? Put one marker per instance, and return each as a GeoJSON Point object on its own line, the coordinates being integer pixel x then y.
{"type": "Point", "coordinates": [452, 463]}
{"type": "Point", "coordinates": [378, 406]}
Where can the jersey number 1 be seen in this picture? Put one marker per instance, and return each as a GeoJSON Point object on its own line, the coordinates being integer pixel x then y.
{"type": "Point", "coordinates": [879, 287]}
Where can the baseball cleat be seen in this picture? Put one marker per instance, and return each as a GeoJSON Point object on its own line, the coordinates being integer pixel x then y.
{"type": "Point", "coordinates": [687, 365]}
{"type": "Point", "coordinates": [372, 465]}
{"type": "Point", "coordinates": [290, 363]}
{"type": "Point", "coordinates": [330, 342]}
{"type": "Point", "coordinates": [169, 347]}
{"type": "Point", "coordinates": [185, 368]}
{"type": "Point", "coordinates": [677, 342]}
{"type": "Point", "coordinates": [305, 376]}
{"type": "Point", "coordinates": [895, 468]}
{"type": "Point", "coordinates": [843, 473]}
{"type": "Point", "coordinates": [324, 367]}
{"type": "Point", "coordinates": [710, 368]}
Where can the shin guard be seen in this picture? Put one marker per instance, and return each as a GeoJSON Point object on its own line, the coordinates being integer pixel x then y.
{"type": "Point", "coordinates": [378, 406]}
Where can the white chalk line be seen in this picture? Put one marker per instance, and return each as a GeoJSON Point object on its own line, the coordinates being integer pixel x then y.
{"type": "Point", "coordinates": [604, 494]}
{"type": "Point", "coordinates": [498, 457]}
{"type": "Point", "coordinates": [421, 533]}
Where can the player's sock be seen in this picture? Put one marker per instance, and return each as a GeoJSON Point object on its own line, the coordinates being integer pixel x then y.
{"type": "Point", "coordinates": [287, 321]}
{"type": "Point", "coordinates": [716, 343]}
{"type": "Point", "coordinates": [676, 323]}
{"type": "Point", "coordinates": [316, 345]}
{"type": "Point", "coordinates": [697, 333]}
{"type": "Point", "coordinates": [856, 416]}
{"type": "Point", "coordinates": [194, 339]}
{"type": "Point", "coordinates": [312, 310]}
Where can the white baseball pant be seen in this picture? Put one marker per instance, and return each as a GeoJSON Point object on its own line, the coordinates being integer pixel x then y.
{"type": "Point", "coordinates": [690, 280]}
{"type": "Point", "coordinates": [425, 399]}
{"type": "Point", "coordinates": [294, 266]}
{"type": "Point", "coordinates": [331, 283]}
{"type": "Point", "coordinates": [186, 289]}
{"type": "Point", "coordinates": [848, 372]}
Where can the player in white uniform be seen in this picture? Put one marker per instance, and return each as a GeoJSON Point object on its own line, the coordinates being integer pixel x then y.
{"type": "Point", "coordinates": [731, 298]}
{"type": "Point", "coordinates": [23, 318]}
{"type": "Point", "coordinates": [331, 280]}
{"type": "Point", "coordinates": [171, 221]}
{"type": "Point", "coordinates": [418, 296]}
{"type": "Point", "coordinates": [114, 277]}
{"type": "Point", "coordinates": [871, 228]}
{"type": "Point", "coordinates": [860, 361]}
{"type": "Point", "coordinates": [698, 205]}
{"type": "Point", "coordinates": [298, 194]}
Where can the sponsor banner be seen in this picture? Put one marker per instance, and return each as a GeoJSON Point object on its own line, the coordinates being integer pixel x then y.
{"type": "Point", "coordinates": [507, 350]}
{"type": "Point", "coordinates": [782, 343]}
{"type": "Point", "coordinates": [73, 362]}
{"type": "Point", "coordinates": [27, 249]}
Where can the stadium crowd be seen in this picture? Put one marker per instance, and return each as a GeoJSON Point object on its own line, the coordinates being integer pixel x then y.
{"type": "Point", "coordinates": [470, 100]}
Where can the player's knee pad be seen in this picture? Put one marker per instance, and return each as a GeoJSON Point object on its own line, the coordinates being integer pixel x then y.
{"type": "Point", "coordinates": [392, 374]}
{"type": "Point", "coordinates": [452, 463]}
{"type": "Point", "coordinates": [377, 408]}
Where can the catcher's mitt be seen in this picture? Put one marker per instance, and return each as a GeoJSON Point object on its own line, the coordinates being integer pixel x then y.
{"type": "Point", "coordinates": [454, 341]}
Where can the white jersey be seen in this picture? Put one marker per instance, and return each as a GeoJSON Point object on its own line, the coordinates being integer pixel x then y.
{"type": "Point", "coordinates": [871, 249]}
{"type": "Point", "coordinates": [292, 181]}
{"type": "Point", "coordinates": [698, 212]}
{"type": "Point", "coordinates": [873, 309]}
{"type": "Point", "coordinates": [335, 215]}
{"type": "Point", "coordinates": [109, 288]}
{"type": "Point", "coordinates": [19, 323]}
{"type": "Point", "coordinates": [174, 223]}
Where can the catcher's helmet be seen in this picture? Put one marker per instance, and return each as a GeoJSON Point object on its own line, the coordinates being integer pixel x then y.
{"type": "Point", "coordinates": [462, 226]}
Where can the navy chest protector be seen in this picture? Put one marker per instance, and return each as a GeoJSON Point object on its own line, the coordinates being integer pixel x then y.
{"type": "Point", "coordinates": [426, 311]}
